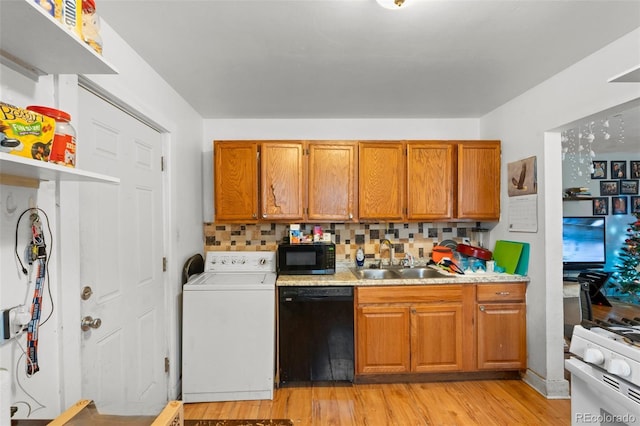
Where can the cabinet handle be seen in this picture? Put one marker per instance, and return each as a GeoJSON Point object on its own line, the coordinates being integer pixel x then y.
{"type": "Point", "coordinates": [350, 215]}
{"type": "Point", "coordinates": [264, 215]}
{"type": "Point", "coordinates": [255, 216]}
{"type": "Point", "coordinates": [482, 308]}
{"type": "Point", "coordinates": [413, 311]}
{"type": "Point", "coordinates": [503, 293]}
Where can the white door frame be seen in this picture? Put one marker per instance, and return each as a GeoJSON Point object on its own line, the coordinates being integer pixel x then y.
{"type": "Point", "coordinates": [68, 246]}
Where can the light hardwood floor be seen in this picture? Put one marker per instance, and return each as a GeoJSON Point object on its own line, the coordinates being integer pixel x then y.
{"type": "Point", "coordinates": [494, 402]}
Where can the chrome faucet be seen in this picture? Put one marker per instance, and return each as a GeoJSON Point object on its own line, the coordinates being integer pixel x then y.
{"type": "Point", "coordinates": [391, 250]}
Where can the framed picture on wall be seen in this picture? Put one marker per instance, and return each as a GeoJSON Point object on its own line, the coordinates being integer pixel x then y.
{"type": "Point", "coordinates": [635, 204]}
{"type": "Point", "coordinates": [609, 187]}
{"type": "Point", "coordinates": [635, 170]}
{"type": "Point", "coordinates": [629, 187]}
{"type": "Point", "coordinates": [619, 205]}
{"type": "Point", "coordinates": [601, 206]}
{"type": "Point", "coordinates": [618, 170]}
{"type": "Point", "coordinates": [599, 170]}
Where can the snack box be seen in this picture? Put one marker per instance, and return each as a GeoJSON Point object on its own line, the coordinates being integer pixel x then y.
{"type": "Point", "coordinates": [25, 133]}
{"type": "Point", "coordinates": [295, 234]}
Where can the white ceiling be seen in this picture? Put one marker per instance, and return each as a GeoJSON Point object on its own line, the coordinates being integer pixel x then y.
{"type": "Point", "coordinates": [354, 59]}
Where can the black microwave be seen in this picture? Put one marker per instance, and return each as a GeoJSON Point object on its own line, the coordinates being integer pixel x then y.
{"type": "Point", "coordinates": [307, 259]}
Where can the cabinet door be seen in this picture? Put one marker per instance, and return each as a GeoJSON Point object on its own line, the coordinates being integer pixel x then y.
{"type": "Point", "coordinates": [332, 182]}
{"type": "Point", "coordinates": [382, 340]}
{"type": "Point", "coordinates": [502, 340]}
{"type": "Point", "coordinates": [436, 338]}
{"type": "Point", "coordinates": [430, 180]}
{"type": "Point", "coordinates": [382, 180]}
{"type": "Point", "coordinates": [478, 180]}
{"type": "Point", "coordinates": [236, 181]}
{"type": "Point", "coordinates": [282, 180]}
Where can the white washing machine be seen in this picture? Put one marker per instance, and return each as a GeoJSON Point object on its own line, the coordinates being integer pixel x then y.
{"type": "Point", "coordinates": [228, 328]}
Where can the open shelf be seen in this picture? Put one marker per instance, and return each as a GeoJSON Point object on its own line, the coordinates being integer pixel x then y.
{"type": "Point", "coordinates": [34, 43]}
{"type": "Point", "coordinates": [585, 198]}
{"type": "Point", "coordinates": [27, 169]}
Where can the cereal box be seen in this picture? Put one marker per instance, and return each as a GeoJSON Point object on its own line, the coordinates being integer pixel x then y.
{"type": "Point", "coordinates": [25, 133]}
{"type": "Point", "coordinates": [71, 15]}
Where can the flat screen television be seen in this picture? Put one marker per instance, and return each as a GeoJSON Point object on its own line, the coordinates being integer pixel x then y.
{"type": "Point", "coordinates": [583, 243]}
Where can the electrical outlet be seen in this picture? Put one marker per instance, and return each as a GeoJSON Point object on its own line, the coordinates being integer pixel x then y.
{"type": "Point", "coordinates": [19, 318]}
{"type": "Point", "coordinates": [4, 325]}
{"type": "Point", "coordinates": [13, 321]}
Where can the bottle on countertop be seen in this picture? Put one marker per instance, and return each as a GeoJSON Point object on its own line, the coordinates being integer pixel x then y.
{"type": "Point", "coordinates": [360, 257]}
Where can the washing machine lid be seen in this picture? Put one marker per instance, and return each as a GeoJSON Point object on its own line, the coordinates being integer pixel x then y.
{"type": "Point", "coordinates": [209, 281]}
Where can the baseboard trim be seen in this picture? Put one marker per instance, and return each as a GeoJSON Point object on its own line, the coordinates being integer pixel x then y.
{"type": "Point", "coordinates": [550, 389]}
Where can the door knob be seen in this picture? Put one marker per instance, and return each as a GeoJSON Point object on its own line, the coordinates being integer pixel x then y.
{"type": "Point", "coordinates": [90, 322]}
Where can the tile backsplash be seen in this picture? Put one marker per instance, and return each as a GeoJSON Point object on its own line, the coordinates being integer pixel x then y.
{"type": "Point", "coordinates": [415, 238]}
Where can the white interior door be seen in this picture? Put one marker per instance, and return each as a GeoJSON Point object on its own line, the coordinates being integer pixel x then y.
{"type": "Point", "coordinates": [121, 243]}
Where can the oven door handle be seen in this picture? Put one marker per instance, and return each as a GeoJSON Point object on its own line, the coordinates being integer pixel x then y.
{"type": "Point", "coordinates": [581, 370]}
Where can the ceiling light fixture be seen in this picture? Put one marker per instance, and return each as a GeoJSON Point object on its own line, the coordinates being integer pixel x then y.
{"type": "Point", "coordinates": [392, 4]}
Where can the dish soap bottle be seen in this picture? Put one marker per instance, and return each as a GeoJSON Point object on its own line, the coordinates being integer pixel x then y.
{"type": "Point", "coordinates": [360, 257]}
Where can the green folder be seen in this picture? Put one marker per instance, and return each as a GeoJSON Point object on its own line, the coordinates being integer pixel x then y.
{"type": "Point", "coordinates": [513, 256]}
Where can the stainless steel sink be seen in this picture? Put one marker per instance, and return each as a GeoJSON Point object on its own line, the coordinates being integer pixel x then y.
{"type": "Point", "coordinates": [407, 273]}
{"type": "Point", "coordinates": [375, 274]}
{"type": "Point", "coordinates": [396, 273]}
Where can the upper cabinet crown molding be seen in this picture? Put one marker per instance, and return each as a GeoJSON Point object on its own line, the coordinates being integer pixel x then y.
{"type": "Point", "coordinates": [34, 43]}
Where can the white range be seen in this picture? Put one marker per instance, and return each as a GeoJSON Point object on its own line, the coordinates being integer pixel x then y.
{"type": "Point", "coordinates": [605, 372]}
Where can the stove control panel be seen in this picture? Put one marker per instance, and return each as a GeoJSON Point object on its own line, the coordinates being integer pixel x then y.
{"type": "Point", "coordinates": [240, 261]}
{"type": "Point", "coordinates": [607, 351]}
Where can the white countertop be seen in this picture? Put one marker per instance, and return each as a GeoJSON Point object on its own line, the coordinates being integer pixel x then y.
{"type": "Point", "coordinates": [345, 277]}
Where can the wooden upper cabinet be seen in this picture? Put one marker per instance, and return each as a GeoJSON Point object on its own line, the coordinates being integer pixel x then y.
{"type": "Point", "coordinates": [382, 175]}
{"type": "Point", "coordinates": [350, 181]}
{"type": "Point", "coordinates": [236, 181]}
{"type": "Point", "coordinates": [431, 180]}
{"type": "Point", "coordinates": [282, 180]}
{"type": "Point", "coordinates": [478, 180]}
{"type": "Point", "coordinates": [332, 186]}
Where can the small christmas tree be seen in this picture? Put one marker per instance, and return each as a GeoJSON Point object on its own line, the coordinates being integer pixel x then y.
{"type": "Point", "coordinates": [628, 271]}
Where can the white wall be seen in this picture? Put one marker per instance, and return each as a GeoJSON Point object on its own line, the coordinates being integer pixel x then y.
{"type": "Point", "coordinates": [526, 127]}
{"type": "Point", "coordinates": [35, 392]}
{"type": "Point", "coordinates": [330, 129]}
{"type": "Point", "coordinates": [58, 384]}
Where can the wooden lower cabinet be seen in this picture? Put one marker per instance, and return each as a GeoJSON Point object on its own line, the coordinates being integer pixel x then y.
{"type": "Point", "coordinates": [382, 339]}
{"type": "Point", "coordinates": [436, 337]}
{"type": "Point", "coordinates": [440, 328]}
{"type": "Point", "coordinates": [501, 326]}
{"type": "Point", "coordinates": [419, 331]}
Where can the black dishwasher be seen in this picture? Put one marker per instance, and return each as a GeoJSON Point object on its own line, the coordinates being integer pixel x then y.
{"type": "Point", "coordinates": [316, 334]}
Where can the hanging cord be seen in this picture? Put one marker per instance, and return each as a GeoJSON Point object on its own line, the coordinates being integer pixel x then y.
{"type": "Point", "coordinates": [24, 270]}
{"type": "Point", "coordinates": [30, 409]}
